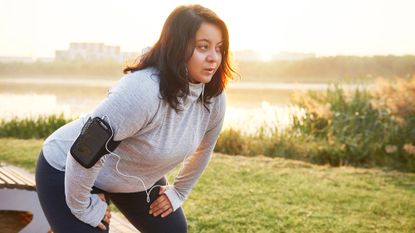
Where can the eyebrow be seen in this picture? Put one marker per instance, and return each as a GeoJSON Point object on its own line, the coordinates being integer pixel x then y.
{"type": "Point", "coordinates": [206, 40]}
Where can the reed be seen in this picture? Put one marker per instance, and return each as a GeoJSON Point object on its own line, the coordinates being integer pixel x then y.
{"type": "Point", "coordinates": [366, 128]}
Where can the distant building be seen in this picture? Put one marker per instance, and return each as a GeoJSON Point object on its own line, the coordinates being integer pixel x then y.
{"type": "Point", "coordinates": [45, 59]}
{"type": "Point", "coordinates": [16, 59]}
{"type": "Point", "coordinates": [93, 51]}
{"type": "Point", "coordinates": [252, 55]}
{"type": "Point", "coordinates": [290, 56]}
{"type": "Point", "coordinates": [247, 55]}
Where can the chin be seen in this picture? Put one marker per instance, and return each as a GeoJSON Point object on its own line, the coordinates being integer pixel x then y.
{"type": "Point", "coordinates": [202, 78]}
{"type": "Point", "coordinates": [206, 79]}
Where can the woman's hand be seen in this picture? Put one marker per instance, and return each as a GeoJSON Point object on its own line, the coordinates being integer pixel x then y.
{"type": "Point", "coordinates": [161, 205]}
{"type": "Point", "coordinates": [107, 215]}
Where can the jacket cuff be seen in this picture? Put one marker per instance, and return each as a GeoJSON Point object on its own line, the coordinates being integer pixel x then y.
{"type": "Point", "coordinates": [94, 213]}
{"type": "Point", "coordinates": [174, 197]}
{"type": "Point", "coordinates": [98, 209]}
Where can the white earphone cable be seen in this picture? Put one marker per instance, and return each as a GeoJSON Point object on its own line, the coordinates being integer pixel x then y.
{"type": "Point", "coordinates": [130, 176]}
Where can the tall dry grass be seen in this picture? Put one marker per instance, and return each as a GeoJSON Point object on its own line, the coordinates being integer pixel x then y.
{"type": "Point", "coordinates": [362, 127]}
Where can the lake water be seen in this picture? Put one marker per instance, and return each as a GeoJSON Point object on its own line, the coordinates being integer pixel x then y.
{"type": "Point", "coordinates": [250, 104]}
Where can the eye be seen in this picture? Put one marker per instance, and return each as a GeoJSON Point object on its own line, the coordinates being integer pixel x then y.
{"type": "Point", "coordinates": [202, 47]}
{"type": "Point", "coordinates": [219, 49]}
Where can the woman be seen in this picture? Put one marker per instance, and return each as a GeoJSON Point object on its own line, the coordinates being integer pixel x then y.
{"type": "Point", "coordinates": [167, 109]}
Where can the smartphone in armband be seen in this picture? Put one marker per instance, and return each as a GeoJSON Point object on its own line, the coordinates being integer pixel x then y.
{"type": "Point", "coordinates": [89, 147]}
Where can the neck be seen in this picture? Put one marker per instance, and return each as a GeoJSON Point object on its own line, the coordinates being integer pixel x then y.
{"type": "Point", "coordinates": [194, 82]}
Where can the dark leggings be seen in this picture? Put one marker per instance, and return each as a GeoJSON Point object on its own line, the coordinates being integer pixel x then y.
{"type": "Point", "coordinates": [51, 193]}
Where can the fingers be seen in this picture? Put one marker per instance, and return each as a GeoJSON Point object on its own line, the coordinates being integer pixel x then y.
{"type": "Point", "coordinates": [159, 202]}
{"type": "Point", "coordinates": [102, 196]}
{"type": "Point", "coordinates": [161, 206]}
{"type": "Point", "coordinates": [108, 213]}
{"type": "Point", "coordinates": [162, 190]}
{"type": "Point", "coordinates": [102, 226]}
{"type": "Point", "coordinates": [107, 217]}
{"type": "Point", "coordinates": [165, 213]}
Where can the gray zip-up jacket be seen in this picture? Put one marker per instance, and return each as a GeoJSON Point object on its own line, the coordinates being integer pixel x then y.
{"type": "Point", "coordinates": [155, 138]}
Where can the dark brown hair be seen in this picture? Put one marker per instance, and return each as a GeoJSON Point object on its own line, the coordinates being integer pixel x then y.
{"type": "Point", "coordinates": [175, 47]}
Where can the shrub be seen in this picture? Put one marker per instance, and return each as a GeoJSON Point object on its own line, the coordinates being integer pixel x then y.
{"type": "Point", "coordinates": [40, 127]}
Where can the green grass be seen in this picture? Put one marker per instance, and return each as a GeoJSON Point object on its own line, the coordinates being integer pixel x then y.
{"type": "Point", "coordinates": [276, 195]}
{"type": "Point", "coordinates": [259, 194]}
{"type": "Point", "coordinates": [22, 153]}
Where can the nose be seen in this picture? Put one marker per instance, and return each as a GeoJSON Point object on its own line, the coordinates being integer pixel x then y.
{"type": "Point", "coordinates": [214, 56]}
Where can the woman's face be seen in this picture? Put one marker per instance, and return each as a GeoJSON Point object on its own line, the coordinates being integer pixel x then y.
{"type": "Point", "coordinates": [207, 54]}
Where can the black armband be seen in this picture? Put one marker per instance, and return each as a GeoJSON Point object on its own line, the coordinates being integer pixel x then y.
{"type": "Point", "coordinates": [89, 147]}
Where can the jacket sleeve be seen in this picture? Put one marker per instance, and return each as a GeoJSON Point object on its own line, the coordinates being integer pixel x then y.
{"type": "Point", "coordinates": [87, 207]}
{"type": "Point", "coordinates": [197, 162]}
{"type": "Point", "coordinates": [129, 107]}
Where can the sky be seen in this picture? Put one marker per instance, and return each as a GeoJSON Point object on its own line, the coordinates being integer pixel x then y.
{"type": "Point", "coordinates": [36, 28]}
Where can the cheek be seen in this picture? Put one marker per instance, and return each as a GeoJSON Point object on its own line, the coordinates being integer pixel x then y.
{"type": "Point", "coordinates": [196, 61]}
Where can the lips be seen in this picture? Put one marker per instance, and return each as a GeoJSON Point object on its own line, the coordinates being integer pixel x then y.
{"type": "Point", "coordinates": [209, 70]}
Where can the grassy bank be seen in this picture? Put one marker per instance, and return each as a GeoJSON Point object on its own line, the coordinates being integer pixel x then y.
{"type": "Point", "coordinates": [259, 194]}
{"type": "Point", "coordinates": [22, 153]}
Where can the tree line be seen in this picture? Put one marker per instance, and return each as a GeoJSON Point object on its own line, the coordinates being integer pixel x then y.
{"type": "Point", "coordinates": [319, 68]}
{"type": "Point", "coordinates": [334, 68]}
